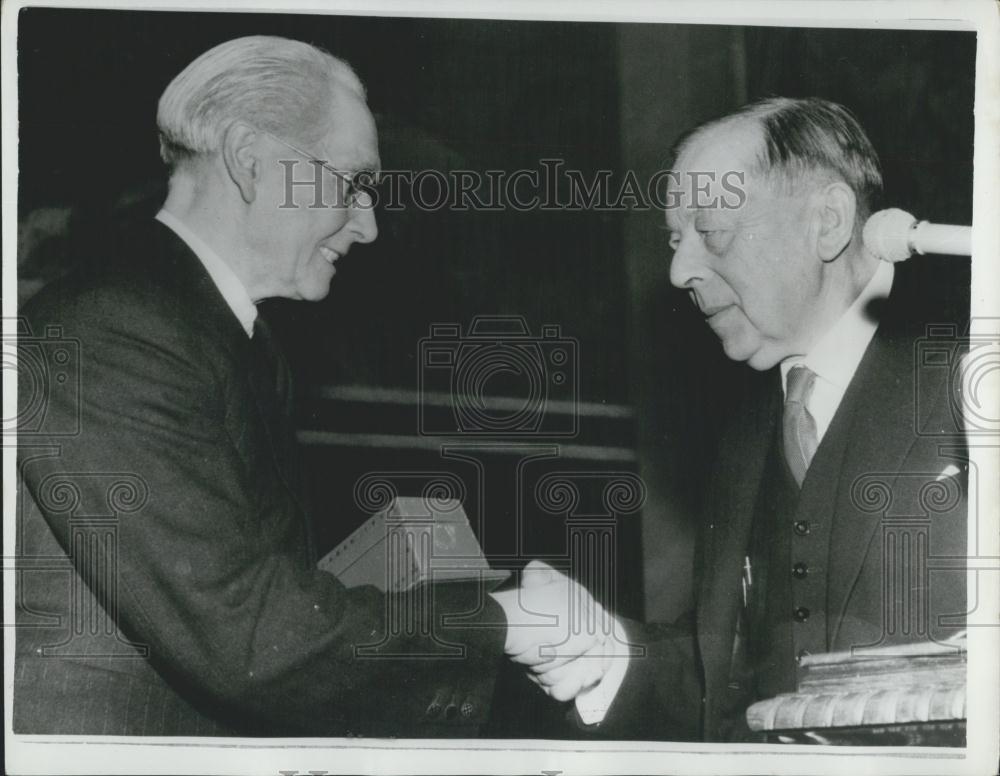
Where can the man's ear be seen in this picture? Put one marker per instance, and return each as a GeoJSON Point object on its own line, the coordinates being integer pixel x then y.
{"type": "Point", "coordinates": [837, 207]}
{"type": "Point", "coordinates": [241, 159]}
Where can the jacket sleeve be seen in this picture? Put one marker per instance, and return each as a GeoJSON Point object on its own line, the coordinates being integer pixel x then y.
{"type": "Point", "coordinates": [206, 567]}
{"type": "Point", "coordinates": [660, 696]}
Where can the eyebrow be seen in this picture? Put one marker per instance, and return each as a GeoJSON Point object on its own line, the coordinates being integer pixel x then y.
{"type": "Point", "coordinates": [712, 212]}
{"type": "Point", "coordinates": [677, 217]}
{"type": "Point", "coordinates": [366, 165]}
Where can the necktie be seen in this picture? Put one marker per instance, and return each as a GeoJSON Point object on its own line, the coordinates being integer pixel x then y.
{"type": "Point", "coordinates": [271, 368]}
{"type": "Point", "coordinates": [798, 426]}
{"type": "Point", "coordinates": [272, 384]}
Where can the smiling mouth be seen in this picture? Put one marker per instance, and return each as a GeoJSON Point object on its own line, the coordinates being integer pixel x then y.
{"type": "Point", "coordinates": [328, 254]}
{"type": "Point", "coordinates": [711, 312]}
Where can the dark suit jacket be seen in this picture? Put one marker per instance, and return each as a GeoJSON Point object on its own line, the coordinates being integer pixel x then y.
{"type": "Point", "coordinates": [166, 583]}
{"type": "Point", "coordinates": [871, 494]}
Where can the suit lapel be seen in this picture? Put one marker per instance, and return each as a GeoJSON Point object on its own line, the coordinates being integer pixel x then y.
{"type": "Point", "coordinates": [879, 415]}
{"type": "Point", "coordinates": [181, 267]}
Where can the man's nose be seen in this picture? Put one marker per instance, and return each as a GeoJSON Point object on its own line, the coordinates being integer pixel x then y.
{"type": "Point", "coordinates": [363, 223]}
{"type": "Point", "coordinates": [687, 265]}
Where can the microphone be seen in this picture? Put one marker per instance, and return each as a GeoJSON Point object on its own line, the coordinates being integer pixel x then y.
{"type": "Point", "coordinates": [894, 235]}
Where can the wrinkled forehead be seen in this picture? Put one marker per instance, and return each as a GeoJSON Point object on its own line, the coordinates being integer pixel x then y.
{"type": "Point", "coordinates": [736, 144]}
{"type": "Point", "coordinates": [713, 167]}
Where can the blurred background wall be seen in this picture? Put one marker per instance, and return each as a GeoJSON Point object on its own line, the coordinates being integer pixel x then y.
{"type": "Point", "coordinates": [650, 386]}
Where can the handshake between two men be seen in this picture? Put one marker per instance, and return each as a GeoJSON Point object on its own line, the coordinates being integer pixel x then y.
{"type": "Point", "coordinates": [569, 645]}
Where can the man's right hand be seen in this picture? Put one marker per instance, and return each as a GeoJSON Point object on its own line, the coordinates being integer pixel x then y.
{"type": "Point", "coordinates": [551, 622]}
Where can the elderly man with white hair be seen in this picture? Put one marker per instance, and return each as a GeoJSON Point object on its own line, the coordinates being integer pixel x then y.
{"type": "Point", "coordinates": [168, 581]}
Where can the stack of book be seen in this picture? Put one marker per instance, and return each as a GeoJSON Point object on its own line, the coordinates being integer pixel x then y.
{"type": "Point", "coordinates": [909, 694]}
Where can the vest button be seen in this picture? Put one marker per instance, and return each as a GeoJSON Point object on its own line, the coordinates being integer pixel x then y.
{"type": "Point", "coordinates": [800, 571]}
{"type": "Point", "coordinates": [801, 614]}
{"type": "Point", "coordinates": [801, 527]}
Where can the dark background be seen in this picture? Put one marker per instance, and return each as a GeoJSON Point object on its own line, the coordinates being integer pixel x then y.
{"type": "Point", "coordinates": [451, 94]}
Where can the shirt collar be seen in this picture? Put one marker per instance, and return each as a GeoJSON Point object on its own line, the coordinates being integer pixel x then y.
{"type": "Point", "coordinates": [836, 355]}
{"type": "Point", "coordinates": [229, 285]}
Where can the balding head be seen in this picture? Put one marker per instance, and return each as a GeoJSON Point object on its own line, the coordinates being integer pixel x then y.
{"type": "Point", "coordinates": [798, 143]}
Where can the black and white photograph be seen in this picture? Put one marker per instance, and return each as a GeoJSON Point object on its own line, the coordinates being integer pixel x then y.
{"type": "Point", "coordinates": [501, 388]}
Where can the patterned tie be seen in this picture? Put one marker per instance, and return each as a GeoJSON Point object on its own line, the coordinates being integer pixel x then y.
{"type": "Point", "coordinates": [798, 426]}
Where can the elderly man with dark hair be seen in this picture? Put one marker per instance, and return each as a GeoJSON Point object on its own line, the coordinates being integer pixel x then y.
{"type": "Point", "coordinates": [841, 479]}
{"type": "Point", "coordinates": [168, 583]}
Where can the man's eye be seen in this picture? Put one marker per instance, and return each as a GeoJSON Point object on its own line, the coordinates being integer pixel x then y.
{"type": "Point", "coordinates": [716, 240]}
{"type": "Point", "coordinates": [364, 179]}
{"type": "Point", "coordinates": [675, 241]}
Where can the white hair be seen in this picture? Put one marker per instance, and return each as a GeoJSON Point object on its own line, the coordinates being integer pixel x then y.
{"type": "Point", "coordinates": [278, 85]}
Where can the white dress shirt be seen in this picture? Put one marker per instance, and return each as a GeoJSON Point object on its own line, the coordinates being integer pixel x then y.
{"type": "Point", "coordinates": [834, 359]}
{"type": "Point", "coordinates": [230, 286]}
